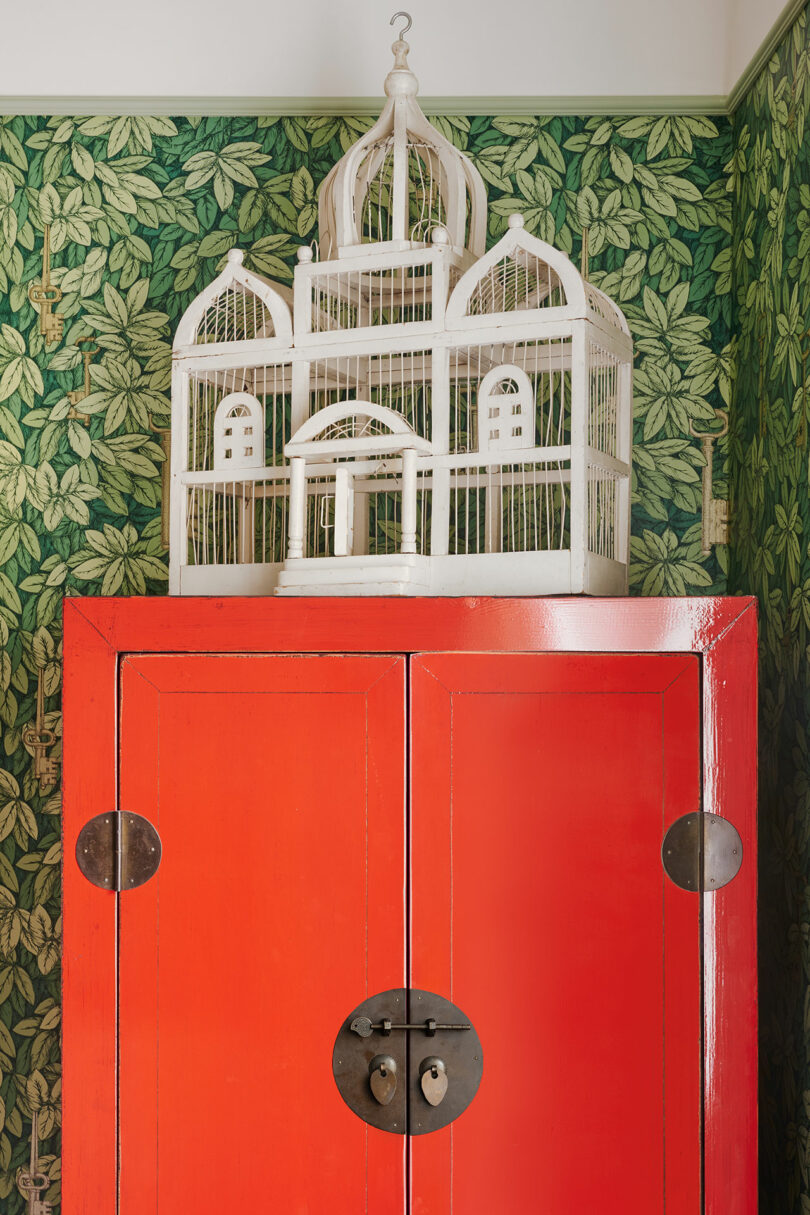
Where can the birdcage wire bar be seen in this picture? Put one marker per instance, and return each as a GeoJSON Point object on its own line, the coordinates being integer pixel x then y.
{"type": "Point", "coordinates": [603, 512]}
{"type": "Point", "coordinates": [235, 315]}
{"type": "Point", "coordinates": [237, 522]}
{"type": "Point", "coordinates": [517, 283]}
{"type": "Point", "coordinates": [401, 382]}
{"type": "Point", "coordinates": [603, 399]}
{"type": "Point", "coordinates": [271, 384]}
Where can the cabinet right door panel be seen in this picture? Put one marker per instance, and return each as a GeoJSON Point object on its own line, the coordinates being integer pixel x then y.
{"type": "Point", "coordinates": [542, 787]}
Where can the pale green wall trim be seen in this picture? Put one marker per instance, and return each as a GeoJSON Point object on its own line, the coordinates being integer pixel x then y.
{"type": "Point", "coordinates": [252, 106]}
{"type": "Point", "coordinates": [772, 40]}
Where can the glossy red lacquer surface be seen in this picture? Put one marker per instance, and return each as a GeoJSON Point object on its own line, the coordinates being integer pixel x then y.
{"type": "Point", "coordinates": [277, 786]}
{"type": "Point", "coordinates": [99, 634]}
{"type": "Point", "coordinates": [542, 787]}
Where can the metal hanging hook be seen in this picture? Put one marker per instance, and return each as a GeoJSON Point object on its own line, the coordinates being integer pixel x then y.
{"type": "Point", "coordinates": [405, 28]}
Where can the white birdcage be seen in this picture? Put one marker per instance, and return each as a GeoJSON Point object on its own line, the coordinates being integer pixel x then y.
{"type": "Point", "coordinates": [430, 419]}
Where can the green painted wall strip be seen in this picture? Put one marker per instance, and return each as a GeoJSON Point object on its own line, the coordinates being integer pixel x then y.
{"type": "Point", "coordinates": [296, 106]}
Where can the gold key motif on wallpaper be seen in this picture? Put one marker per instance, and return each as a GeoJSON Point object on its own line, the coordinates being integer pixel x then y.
{"type": "Point", "coordinates": [88, 348]}
{"type": "Point", "coordinates": [34, 1183]}
{"type": "Point", "coordinates": [45, 295]}
{"type": "Point", "coordinates": [40, 739]}
{"type": "Point", "coordinates": [165, 434]}
{"type": "Point", "coordinates": [801, 429]}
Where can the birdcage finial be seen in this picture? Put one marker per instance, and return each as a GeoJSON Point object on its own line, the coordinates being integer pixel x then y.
{"type": "Point", "coordinates": [401, 82]}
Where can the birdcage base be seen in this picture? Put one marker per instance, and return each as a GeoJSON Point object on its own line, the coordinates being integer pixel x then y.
{"type": "Point", "coordinates": [255, 578]}
{"type": "Point", "coordinates": [397, 574]}
{"type": "Point", "coordinates": [548, 573]}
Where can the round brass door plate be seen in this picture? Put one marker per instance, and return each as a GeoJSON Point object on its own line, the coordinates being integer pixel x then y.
{"type": "Point", "coordinates": [418, 1031]}
{"type": "Point", "coordinates": [702, 852]}
{"type": "Point", "coordinates": [118, 851]}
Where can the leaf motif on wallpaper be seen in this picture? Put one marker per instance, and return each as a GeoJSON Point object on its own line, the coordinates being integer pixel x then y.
{"type": "Point", "coordinates": [768, 169]}
{"type": "Point", "coordinates": [143, 210]}
{"type": "Point", "coordinates": [235, 163]}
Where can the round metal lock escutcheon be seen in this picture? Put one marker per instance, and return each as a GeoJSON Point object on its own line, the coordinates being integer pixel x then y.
{"type": "Point", "coordinates": [702, 852]}
{"type": "Point", "coordinates": [407, 1061]}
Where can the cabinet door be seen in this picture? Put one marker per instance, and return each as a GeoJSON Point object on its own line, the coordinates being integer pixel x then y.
{"type": "Point", "coordinates": [277, 787]}
{"type": "Point", "coordinates": [542, 786]}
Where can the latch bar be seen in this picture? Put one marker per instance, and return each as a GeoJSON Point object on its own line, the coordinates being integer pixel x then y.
{"type": "Point", "coordinates": [365, 1027]}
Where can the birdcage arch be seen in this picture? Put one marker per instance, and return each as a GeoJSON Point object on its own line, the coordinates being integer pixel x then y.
{"type": "Point", "coordinates": [522, 277]}
{"type": "Point", "coordinates": [237, 306]}
{"type": "Point", "coordinates": [359, 427]}
{"type": "Point", "coordinates": [238, 433]}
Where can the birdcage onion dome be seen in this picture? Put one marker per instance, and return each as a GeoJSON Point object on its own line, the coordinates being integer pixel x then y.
{"type": "Point", "coordinates": [401, 179]}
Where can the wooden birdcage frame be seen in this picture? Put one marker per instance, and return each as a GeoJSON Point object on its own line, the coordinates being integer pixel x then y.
{"type": "Point", "coordinates": [510, 370]}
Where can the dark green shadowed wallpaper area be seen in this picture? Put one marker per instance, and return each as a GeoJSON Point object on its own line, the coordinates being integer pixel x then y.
{"type": "Point", "coordinates": [768, 460]}
{"type": "Point", "coordinates": [142, 212]}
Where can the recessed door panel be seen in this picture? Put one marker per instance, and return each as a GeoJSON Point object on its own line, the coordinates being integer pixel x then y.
{"type": "Point", "coordinates": [542, 787]}
{"type": "Point", "coordinates": [277, 787]}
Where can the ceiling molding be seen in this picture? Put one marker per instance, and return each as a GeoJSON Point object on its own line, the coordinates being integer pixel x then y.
{"type": "Point", "coordinates": [772, 39]}
{"type": "Point", "coordinates": [288, 106]}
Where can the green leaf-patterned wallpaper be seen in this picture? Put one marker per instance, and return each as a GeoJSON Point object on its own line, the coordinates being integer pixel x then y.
{"type": "Point", "coordinates": [770, 183]}
{"type": "Point", "coordinates": [140, 213]}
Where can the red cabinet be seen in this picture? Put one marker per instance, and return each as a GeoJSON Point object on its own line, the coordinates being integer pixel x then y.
{"type": "Point", "coordinates": [463, 797]}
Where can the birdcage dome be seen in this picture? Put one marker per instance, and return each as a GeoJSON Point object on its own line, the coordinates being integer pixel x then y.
{"type": "Point", "coordinates": [401, 180]}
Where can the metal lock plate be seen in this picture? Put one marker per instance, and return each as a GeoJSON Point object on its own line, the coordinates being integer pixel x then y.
{"type": "Point", "coordinates": [702, 852]}
{"type": "Point", "coordinates": [422, 1033]}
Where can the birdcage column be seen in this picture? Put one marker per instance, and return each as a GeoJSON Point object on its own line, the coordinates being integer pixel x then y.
{"type": "Point", "coordinates": [440, 441]}
{"type": "Point", "coordinates": [247, 522]}
{"type": "Point", "coordinates": [399, 190]}
{"type": "Point", "coordinates": [579, 465]}
{"type": "Point", "coordinates": [624, 398]}
{"type": "Point", "coordinates": [344, 511]}
{"type": "Point", "coordinates": [178, 523]}
{"type": "Point", "coordinates": [408, 500]}
{"type": "Point", "coordinates": [298, 490]}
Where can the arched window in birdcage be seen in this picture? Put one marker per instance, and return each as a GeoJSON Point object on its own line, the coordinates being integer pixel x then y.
{"type": "Point", "coordinates": [505, 409]}
{"type": "Point", "coordinates": [238, 433]}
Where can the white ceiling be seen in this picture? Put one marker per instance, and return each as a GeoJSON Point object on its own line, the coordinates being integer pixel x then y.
{"type": "Point", "coordinates": [748, 25]}
{"type": "Point", "coordinates": [323, 48]}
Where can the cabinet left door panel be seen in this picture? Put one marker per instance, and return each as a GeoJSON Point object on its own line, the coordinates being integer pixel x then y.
{"type": "Point", "coordinates": [277, 785]}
